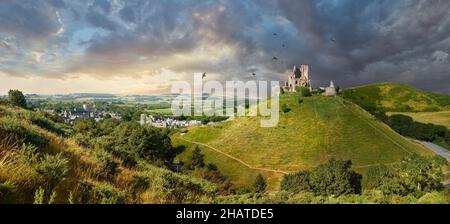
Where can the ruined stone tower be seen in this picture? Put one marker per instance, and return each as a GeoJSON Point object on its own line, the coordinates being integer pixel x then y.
{"type": "Point", "coordinates": [298, 78]}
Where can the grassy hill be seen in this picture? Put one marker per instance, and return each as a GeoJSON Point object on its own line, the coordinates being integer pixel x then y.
{"type": "Point", "coordinates": [315, 130]}
{"type": "Point", "coordinates": [397, 97]}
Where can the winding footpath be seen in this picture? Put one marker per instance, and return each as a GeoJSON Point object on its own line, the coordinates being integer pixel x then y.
{"type": "Point", "coordinates": [234, 158]}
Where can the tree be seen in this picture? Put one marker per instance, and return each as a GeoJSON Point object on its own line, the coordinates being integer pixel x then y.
{"type": "Point", "coordinates": [414, 175]}
{"type": "Point", "coordinates": [296, 183]}
{"type": "Point", "coordinates": [422, 174]}
{"type": "Point", "coordinates": [16, 98]}
{"type": "Point", "coordinates": [197, 159]}
{"type": "Point", "coordinates": [385, 179]}
{"type": "Point", "coordinates": [335, 178]}
{"type": "Point", "coordinates": [260, 184]}
{"type": "Point", "coordinates": [130, 139]}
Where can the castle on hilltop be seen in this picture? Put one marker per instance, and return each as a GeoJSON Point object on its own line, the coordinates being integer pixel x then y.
{"type": "Point", "coordinates": [298, 78]}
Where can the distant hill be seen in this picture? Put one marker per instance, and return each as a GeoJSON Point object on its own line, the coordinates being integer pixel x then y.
{"type": "Point", "coordinates": [313, 131]}
{"type": "Point", "coordinates": [396, 98]}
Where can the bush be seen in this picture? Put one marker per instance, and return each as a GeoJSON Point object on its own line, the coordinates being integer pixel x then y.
{"type": "Point", "coordinates": [39, 119]}
{"type": "Point", "coordinates": [83, 140]}
{"type": "Point", "coordinates": [107, 166]}
{"type": "Point", "coordinates": [130, 139]}
{"type": "Point", "coordinates": [296, 183]}
{"type": "Point", "coordinates": [16, 98]}
{"type": "Point", "coordinates": [101, 193]}
{"type": "Point", "coordinates": [415, 175]}
{"type": "Point", "coordinates": [433, 198]}
{"type": "Point", "coordinates": [53, 168]}
{"type": "Point", "coordinates": [285, 108]}
{"type": "Point", "coordinates": [303, 91]}
{"type": "Point", "coordinates": [7, 192]}
{"type": "Point", "coordinates": [11, 128]}
{"type": "Point", "coordinates": [129, 158]}
{"type": "Point", "coordinates": [177, 188]}
{"type": "Point", "coordinates": [197, 159]}
{"type": "Point", "coordinates": [260, 184]}
{"type": "Point", "coordinates": [28, 154]}
{"type": "Point", "coordinates": [333, 178]}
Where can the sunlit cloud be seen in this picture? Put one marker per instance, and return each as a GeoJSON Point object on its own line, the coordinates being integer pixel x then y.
{"type": "Point", "coordinates": [140, 46]}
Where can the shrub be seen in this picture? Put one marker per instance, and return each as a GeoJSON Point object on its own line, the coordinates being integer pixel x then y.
{"type": "Point", "coordinates": [415, 175]}
{"type": "Point", "coordinates": [335, 178]}
{"type": "Point", "coordinates": [129, 158]}
{"type": "Point", "coordinates": [433, 198]}
{"type": "Point", "coordinates": [7, 192]}
{"type": "Point", "coordinates": [39, 197]}
{"type": "Point", "coordinates": [296, 183]}
{"type": "Point", "coordinates": [285, 108]}
{"type": "Point", "coordinates": [303, 91]}
{"type": "Point", "coordinates": [197, 159]}
{"type": "Point", "coordinates": [101, 193]}
{"type": "Point", "coordinates": [53, 168]}
{"type": "Point", "coordinates": [107, 166]}
{"type": "Point", "coordinates": [83, 140]}
{"type": "Point", "coordinates": [130, 139]}
{"type": "Point", "coordinates": [21, 133]}
{"type": "Point", "coordinates": [28, 154]}
{"type": "Point", "coordinates": [260, 184]}
{"type": "Point", "coordinates": [177, 188]}
{"type": "Point", "coordinates": [39, 119]}
{"type": "Point", "coordinates": [16, 98]}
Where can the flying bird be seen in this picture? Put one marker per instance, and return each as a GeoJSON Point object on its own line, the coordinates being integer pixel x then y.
{"type": "Point", "coordinates": [332, 39]}
{"type": "Point", "coordinates": [275, 34]}
{"type": "Point", "coordinates": [275, 58]}
{"type": "Point", "coordinates": [254, 74]}
{"type": "Point", "coordinates": [204, 75]}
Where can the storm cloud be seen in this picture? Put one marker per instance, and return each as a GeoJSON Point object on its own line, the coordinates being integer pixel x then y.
{"type": "Point", "coordinates": [349, 41]}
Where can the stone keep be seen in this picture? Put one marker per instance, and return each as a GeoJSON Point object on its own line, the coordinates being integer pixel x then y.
{"type": "Point", "coordinates": [298, 78]}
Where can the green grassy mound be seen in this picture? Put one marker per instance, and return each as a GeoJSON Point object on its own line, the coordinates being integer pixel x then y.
{"type": "Point", "coordinates": [313, 131]}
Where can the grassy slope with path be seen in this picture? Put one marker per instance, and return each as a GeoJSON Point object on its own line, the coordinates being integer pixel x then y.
{"type": "Point", "coordinates": [314, 131]}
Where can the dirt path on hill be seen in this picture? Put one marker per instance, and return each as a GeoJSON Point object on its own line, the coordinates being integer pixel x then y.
{"type": "Point", "coordinates": [234, 158]}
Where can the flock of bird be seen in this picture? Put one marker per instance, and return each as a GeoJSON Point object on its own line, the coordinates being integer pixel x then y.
{"type": "Point", "coordinates": [274, 58]}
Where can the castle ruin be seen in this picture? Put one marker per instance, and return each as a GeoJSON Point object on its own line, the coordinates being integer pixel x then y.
{"type": "Point", "coordinates": [298, 78]}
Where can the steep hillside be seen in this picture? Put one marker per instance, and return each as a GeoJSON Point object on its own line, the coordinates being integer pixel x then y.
{"type": "Point", "coordinates": [313, 131]}
{"type": "Point", "coordinates": [40, 163]}
{"type": "Point", "coordinates": [396, 97]}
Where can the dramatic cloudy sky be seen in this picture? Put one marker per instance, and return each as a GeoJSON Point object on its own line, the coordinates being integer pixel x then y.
{"type": "Point", "coordinates": [141, 46]}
